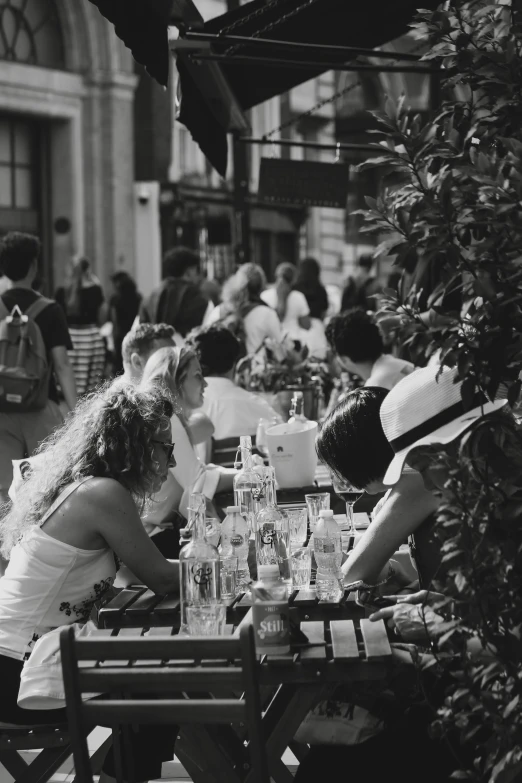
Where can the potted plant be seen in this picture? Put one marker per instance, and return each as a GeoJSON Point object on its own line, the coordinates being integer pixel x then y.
{"type": "Point", "coordinates": [277, 370]}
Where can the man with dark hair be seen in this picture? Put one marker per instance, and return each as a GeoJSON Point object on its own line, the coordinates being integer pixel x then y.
{"type": "Point", "coordinates": [21, 432]}
{"type": "Point", "coordinates": [178, 301]}
{"type": "Point", "coordinates": [232, 410]}
{"type": "Point", "coordinates": [358, 344]}
{"type": "Point", "coordinates": [138, 346]}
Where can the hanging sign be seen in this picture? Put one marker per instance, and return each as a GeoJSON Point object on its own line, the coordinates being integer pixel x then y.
{"type": "Point", "coordinates": [307, 182]}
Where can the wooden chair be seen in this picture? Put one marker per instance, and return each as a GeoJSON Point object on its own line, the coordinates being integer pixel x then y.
{"type": "Point", "coordinates": [153, 688]}
{"type": "Point", "coordinates": [55, 748]}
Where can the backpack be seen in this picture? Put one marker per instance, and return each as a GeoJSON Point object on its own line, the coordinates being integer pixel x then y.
{"type": "Point", "coordinates": [24, 368]}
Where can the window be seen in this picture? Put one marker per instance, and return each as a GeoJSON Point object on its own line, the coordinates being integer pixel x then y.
{"type": "Point", "coordinates": [18, 163]}
{"type": "Point", "coordinates": [30, 33]}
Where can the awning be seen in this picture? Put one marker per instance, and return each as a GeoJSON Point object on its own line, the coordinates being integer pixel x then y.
{"type": "Point", "coordinates": [213, 95]}
{"type": "Point", "coordinates": [366, 24]}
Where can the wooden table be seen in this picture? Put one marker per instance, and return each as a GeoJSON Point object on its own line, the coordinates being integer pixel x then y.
{"type": "Point", "coordinates": [342, 647]}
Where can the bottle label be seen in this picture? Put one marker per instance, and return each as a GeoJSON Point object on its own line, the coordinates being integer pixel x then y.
{"type": "Point", "coordinates": [268, 535]}
{"type": "Point", "coordinates": [202, 574]}
{"type": "Point", "coordinates": [271, 629]}
{"type": "Point", "coordinates": [324, 545]}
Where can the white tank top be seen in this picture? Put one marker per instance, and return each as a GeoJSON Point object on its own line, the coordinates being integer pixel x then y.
{"type": "Point", "coordinates": [48, 584]}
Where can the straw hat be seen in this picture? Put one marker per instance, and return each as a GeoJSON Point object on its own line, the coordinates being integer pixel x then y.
{"type": "Point", "coordinates": [424, 409]}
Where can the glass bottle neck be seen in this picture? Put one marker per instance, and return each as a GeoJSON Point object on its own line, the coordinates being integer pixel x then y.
{"type": "Point", "coordinates": [199, 525]}
{"type": "Point", "coordinates": [270, 490]}
{"type": "Point", "coordinates": [246, 458]}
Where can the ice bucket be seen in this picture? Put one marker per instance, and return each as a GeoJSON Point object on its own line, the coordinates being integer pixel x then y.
{"type": "Point", "coordinates": [292, 454]}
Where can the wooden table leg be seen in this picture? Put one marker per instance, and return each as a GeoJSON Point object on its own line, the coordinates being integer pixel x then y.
{"type": "Point", "coordinates": [283, 717]}
{"type": "Point", "coordinates": [196, 743]}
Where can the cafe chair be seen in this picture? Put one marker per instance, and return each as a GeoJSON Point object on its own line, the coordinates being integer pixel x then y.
{"type": "Point", "coordinates": [53, 742]}
{"type": "Point", "coordinates": [155, 684]}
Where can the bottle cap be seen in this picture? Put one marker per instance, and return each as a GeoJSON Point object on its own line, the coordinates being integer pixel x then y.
{"type": "Point", "coordinates": [232, 509]}
{"type": "Point", "coordinates": [268, 571]}
{"type": "Point", "coordinates": [326, 512]}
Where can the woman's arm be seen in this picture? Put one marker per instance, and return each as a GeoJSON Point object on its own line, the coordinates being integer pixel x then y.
{"type": "Point", "coordinates": [200, 427]}
{"type": "Point", "coordinates": [111, 513]}
{"type": "Point", "coordinates": [405, 510]}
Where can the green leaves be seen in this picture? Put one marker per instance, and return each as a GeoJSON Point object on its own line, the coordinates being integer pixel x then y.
{"type": "Point", "coordinates": [454, 226]}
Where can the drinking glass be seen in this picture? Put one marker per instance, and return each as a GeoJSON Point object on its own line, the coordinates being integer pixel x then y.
{"type": "Point", "coordinates": [301, 568]}
{"type": "Point", "coordinates": [298, 523]}
{"type": "Point", "coordinates": [229, 576]}
{"type": "Point", "coordinates": [206, 619]}
{"type": "Point", "coordinates": [317, 502]}
{"type": "Point", "coordinates": [350, 495]}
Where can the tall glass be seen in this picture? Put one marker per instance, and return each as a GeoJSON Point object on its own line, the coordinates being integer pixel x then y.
{"type": "Point", "coordinates": [319, 501]}
{"type": "Point", "coordinates": [350, 494]}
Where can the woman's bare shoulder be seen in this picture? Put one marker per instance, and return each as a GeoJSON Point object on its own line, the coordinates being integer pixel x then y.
{"type": "Point", "coordinates": [105, 493]}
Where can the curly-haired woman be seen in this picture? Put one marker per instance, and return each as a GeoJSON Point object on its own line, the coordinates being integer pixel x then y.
{"type": "Point", "coordinates": [75, 515]}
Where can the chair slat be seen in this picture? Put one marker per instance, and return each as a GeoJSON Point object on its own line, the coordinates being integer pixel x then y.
{"type": "Point", "coordinates": [317, 651]}
{"type": "Point", "coordinates": [344, 641]}
{"type": "Point", "coordinates": [159, 678]}
{"type": "Point", "coordinates": [375, 639]}
{"type": "Point", "coordinates": [167, 711]}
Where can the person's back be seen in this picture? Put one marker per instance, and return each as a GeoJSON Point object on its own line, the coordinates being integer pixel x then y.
{"type": "Point", "coordinates": [244, 312]}
{"type": "Point", "coordinates": [20, 433]}
{"type": "Point", "coordinates": [178, 301]}
{"type": "Point", "coordinates": [359, 346]}
{"type": "Point", "coordinates": [360, 289]}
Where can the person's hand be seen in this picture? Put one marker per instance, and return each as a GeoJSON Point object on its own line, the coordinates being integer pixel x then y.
{"type": "Point", "coordinates": [412, 622]}
{"type": "Point", "coordinates": [421, 597]}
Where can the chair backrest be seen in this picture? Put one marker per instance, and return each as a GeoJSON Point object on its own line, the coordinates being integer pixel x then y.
{"type": "Point", "coordinates": [223, 452]}
{"type": "Point", "coordinates": [168, 670]}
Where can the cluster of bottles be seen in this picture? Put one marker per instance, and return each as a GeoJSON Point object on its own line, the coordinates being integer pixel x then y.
{"type": "Point", "coordinates": [256, 516]}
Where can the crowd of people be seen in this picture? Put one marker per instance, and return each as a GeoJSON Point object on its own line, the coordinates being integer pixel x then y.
{"type": "Point", "coordinates": [99, 476]}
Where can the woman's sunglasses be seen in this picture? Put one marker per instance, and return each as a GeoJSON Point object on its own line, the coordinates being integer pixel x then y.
{"type": "Point", "coordinates": [169, 448]}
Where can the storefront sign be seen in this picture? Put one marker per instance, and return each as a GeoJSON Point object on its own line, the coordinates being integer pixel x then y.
{"type": "Point", "coordinates": [306, 182]}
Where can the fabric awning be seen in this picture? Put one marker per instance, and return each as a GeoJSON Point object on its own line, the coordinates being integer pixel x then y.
{"type": "Point", "coordinates": [213, 94]}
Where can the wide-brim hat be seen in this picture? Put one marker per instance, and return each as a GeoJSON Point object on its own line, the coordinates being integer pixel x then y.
{"type": "Point", "coordinates": [427, 407]}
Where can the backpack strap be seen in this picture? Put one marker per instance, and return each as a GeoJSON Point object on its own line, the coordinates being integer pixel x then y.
{"type": "Point", "coordinates": [37, 307]}
{"type": "Point", "coordinates": [62, 497]}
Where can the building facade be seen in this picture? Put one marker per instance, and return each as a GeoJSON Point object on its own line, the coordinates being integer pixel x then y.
{"type": "Point", "coordinates": [67, 87]}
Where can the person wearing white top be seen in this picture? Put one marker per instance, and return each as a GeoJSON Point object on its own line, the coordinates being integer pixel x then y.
{"type": "Point", "coordinates": [232, 410]}
{"type": "Point", "coordinates": [178, 371]}
{"type": "Point", "coordinates": [244, 312]}
{"type": "Point", "coordinates": [358, 345]}
{"type": "Point", "coordinates": [291, 306]}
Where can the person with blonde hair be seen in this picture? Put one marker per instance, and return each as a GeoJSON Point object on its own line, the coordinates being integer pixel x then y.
{"type": "Point", "coordinates": [290, 305]}
{"type": "Point", "coordinates": [76, 515]}
{"type": "Point", "coordinates": [177, 371]}
{"type": "Point", "coordinates": [244, 312]}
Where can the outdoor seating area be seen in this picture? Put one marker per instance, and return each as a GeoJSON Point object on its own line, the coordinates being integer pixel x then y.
{"type": "Point", "coordinates": [260, 391]}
